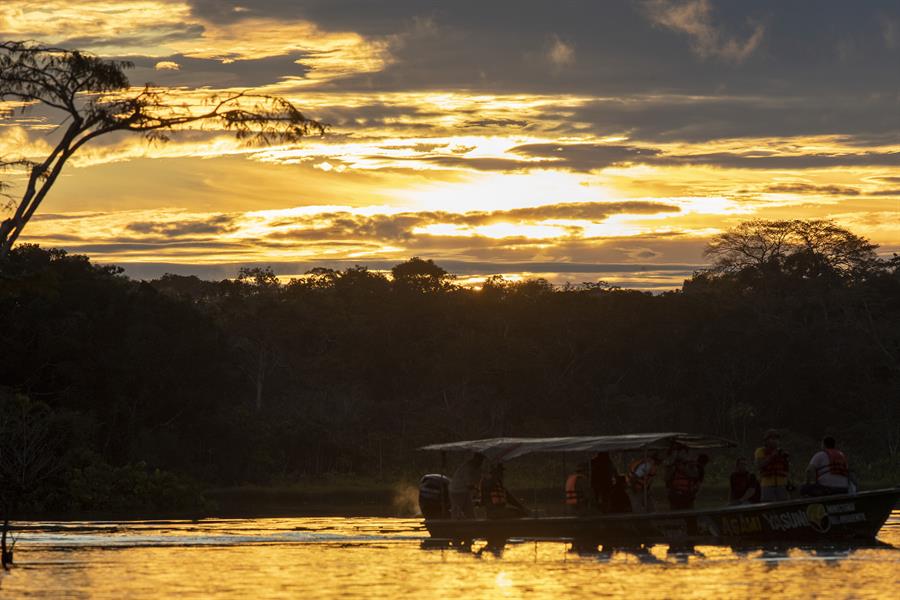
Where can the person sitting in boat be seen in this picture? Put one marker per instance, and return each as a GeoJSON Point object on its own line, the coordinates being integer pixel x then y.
{"type": "Point", "coordinates": [774, 469]}
{"type": "Point", "coordinates": [463, 485]}
{"type": "Point", "coordinates": [828, 471]}
{"type": "Point", "coordinates": [641, 472]}
{"type": "Point", "coordinates": [498, 502]}
{"type": "Point", "coordinates": [743, 485]}
{"type": "Point", "coordinates": [577, 491]}
{"type": "Point", "coordinates": [683, 478]}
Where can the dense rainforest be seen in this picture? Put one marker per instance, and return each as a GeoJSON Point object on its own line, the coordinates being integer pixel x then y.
{"type": "Point", "coordinates": [119, 393]}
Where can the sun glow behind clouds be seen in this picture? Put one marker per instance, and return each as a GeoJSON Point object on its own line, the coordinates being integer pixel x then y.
{"type": "Point", "coordinates": [493, 191]}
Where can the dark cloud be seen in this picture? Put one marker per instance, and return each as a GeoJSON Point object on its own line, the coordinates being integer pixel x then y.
{"type": "Point", "coordinates": [172, 32]}
{"type": "Point", "coordinates": [761, 160]}
{"type": "Point", "coordinates": [208, 226]}
{"type": "Point", "coordinates": [492, 123]}
{"type": "Point", "coordinates": [808, 188]}
{"type": "Point", "coordinates": [201, 72]}
{"type": "Point", "coordinates": [202, 247]}
{"type": "Point", "coordinates": [623, 46]}
{"type": "Point", "coordinates": [587, 157]}
{"type": "Point", "coordinates": [65, 217]}
{"type": "Point", "coordinates": [887, 192]}
{"type": "Point", "coordinates": [590, 157]}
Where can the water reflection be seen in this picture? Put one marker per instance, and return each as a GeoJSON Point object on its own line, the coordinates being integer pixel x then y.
{"type": "Point", "coordinates": [390, 558]}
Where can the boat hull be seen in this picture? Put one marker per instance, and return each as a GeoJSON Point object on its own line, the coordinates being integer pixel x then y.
{"type": "Point", "coordinates": [828, 519]}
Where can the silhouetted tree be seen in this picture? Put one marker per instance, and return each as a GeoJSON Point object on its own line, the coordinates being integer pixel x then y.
{"type": "Point", "coordinates": [421, 276]}
{"type": "Point", "coordinates": [807, 249]}
{"type": "Point", "coordinates": [95, 99]}
{"type": "Point", "coordinates": [29, 454]}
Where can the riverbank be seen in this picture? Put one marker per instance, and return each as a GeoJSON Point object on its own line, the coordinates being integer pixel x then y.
{"type": "Point", "coordinates": [359, 499]}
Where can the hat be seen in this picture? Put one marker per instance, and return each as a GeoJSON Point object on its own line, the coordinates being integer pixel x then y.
{"type": "Point", "coordinates": [770, 433]}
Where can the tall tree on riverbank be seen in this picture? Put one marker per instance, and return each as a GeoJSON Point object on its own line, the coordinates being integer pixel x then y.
{"type": "Point", "coordinates": [29, 454]}
{"type": "Point", "coordinates": [95, 98]}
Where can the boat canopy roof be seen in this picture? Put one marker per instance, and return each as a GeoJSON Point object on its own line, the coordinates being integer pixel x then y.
{"type": "Point", "coordinates": [501, 449]}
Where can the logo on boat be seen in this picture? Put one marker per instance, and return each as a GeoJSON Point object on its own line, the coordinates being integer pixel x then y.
{"type": "Point", "coordinates": [818, 517]}
{"type": "Point", "coordinates": [783, 521]}
{"type": "Point", "coordinates": [672, 529]}
{"type": "Point", "coordinates": [843, 513]}
{"type": "Point", "coordinates": [741, 524]}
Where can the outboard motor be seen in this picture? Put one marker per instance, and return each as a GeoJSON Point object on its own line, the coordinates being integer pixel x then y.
{"type": "Point", "coordinates": [434, 496]}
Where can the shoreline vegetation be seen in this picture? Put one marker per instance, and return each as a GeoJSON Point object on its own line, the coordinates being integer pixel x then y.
{"type": "Point", "coordinates": [367, 499]}
{"type": "Point", "coordinates": [193, 397]}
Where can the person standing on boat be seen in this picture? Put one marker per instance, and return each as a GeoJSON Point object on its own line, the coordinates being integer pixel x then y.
{"type": "Point", "coordinates": [641, 472]}
{"type": "Point", "coordinates": [828, 472]}
{"type": "Point", "coordinates": [497, 500]}
{"type": "Point", "coordinates": [743, 485]}
{"type": "Point", "coordinates": [603, 477]}
{"type": "Point", "coordinates": [774, 469]}
{"type": "Point", "coordinates": [683, 478]}
{"type": "Point", "coordinates": [577, 491]}
{"type": "Point", "coordinates": [463, 484]}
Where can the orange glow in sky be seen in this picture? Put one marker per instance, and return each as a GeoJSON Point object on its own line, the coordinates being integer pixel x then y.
{"type": "Point", "coordinates": [461, 137]}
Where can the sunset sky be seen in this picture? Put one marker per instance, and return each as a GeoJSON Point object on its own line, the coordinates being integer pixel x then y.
{"type": "Point", "coordinates": [574, 139]}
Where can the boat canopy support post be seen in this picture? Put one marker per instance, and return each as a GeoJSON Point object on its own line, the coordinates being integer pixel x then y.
{"type": "Point", "coordinates": [443, 474]}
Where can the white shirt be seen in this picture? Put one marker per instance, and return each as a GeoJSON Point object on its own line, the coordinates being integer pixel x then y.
{"type": "Point", "coordinates": [819, 464]}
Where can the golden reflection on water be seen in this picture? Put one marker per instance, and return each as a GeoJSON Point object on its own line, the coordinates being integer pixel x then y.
{"type": "Point", "coordinates": [384, 558]}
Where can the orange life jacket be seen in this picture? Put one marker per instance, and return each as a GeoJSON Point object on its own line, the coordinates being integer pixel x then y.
{"type": "Point", "coordinates": [837, 464]}
{"type": "Point", "coordinates": [496, 493]}
{"type": "Point", "coordinates": [777, 467]}
{"type": "Point", "coordinates": [682, 481]}
{"type": "Point", "coordinates": [574, 493]}
{"type": "Point", "coordinates": [637, 482]}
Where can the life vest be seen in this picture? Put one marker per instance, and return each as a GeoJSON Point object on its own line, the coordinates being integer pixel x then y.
{"type": "Point", "coordinates": [683, 482]}
{"type": "Point", "coordinates": [574, 493]}
{"type": "Point", "coordinates": [777, 467]}
{"type": "Point", "coordinates": [638, 482]}
{"type": "Point", "coordinates": [496, 493]}
{"type": "Point", "coordinates": [837, 464]}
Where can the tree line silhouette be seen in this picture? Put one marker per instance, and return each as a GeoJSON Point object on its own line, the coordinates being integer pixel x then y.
{"type": "Point", "coordinates": [145, 391]}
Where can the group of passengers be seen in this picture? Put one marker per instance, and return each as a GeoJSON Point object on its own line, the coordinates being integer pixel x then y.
{"type": "Point", "coordinates": [611, 492]}
{"type": "Point", "coordinates": [827, 473]}
{"type": "Point", "coordinates": [598, 486]}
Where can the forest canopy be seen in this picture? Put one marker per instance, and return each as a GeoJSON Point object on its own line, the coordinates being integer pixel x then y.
{"type": "Point", "coordinates": [252, 380]}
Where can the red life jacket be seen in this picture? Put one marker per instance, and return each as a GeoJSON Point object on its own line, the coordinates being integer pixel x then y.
{"type": "Point", "coordinates": [637, 482]}
{"type": "Point", "coordinates": [837, 464]}
{"type": "Point", "coordinates": [777, 467]}
{"type": "Point", "coordinates": [574, 493]}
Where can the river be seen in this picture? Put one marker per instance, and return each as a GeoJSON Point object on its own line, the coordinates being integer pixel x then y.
{"type": "Point", "coordinates": [384, 558]}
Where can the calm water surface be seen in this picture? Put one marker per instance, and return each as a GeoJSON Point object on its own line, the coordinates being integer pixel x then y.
{"type": "Point", "coordinates": [384, 558]}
